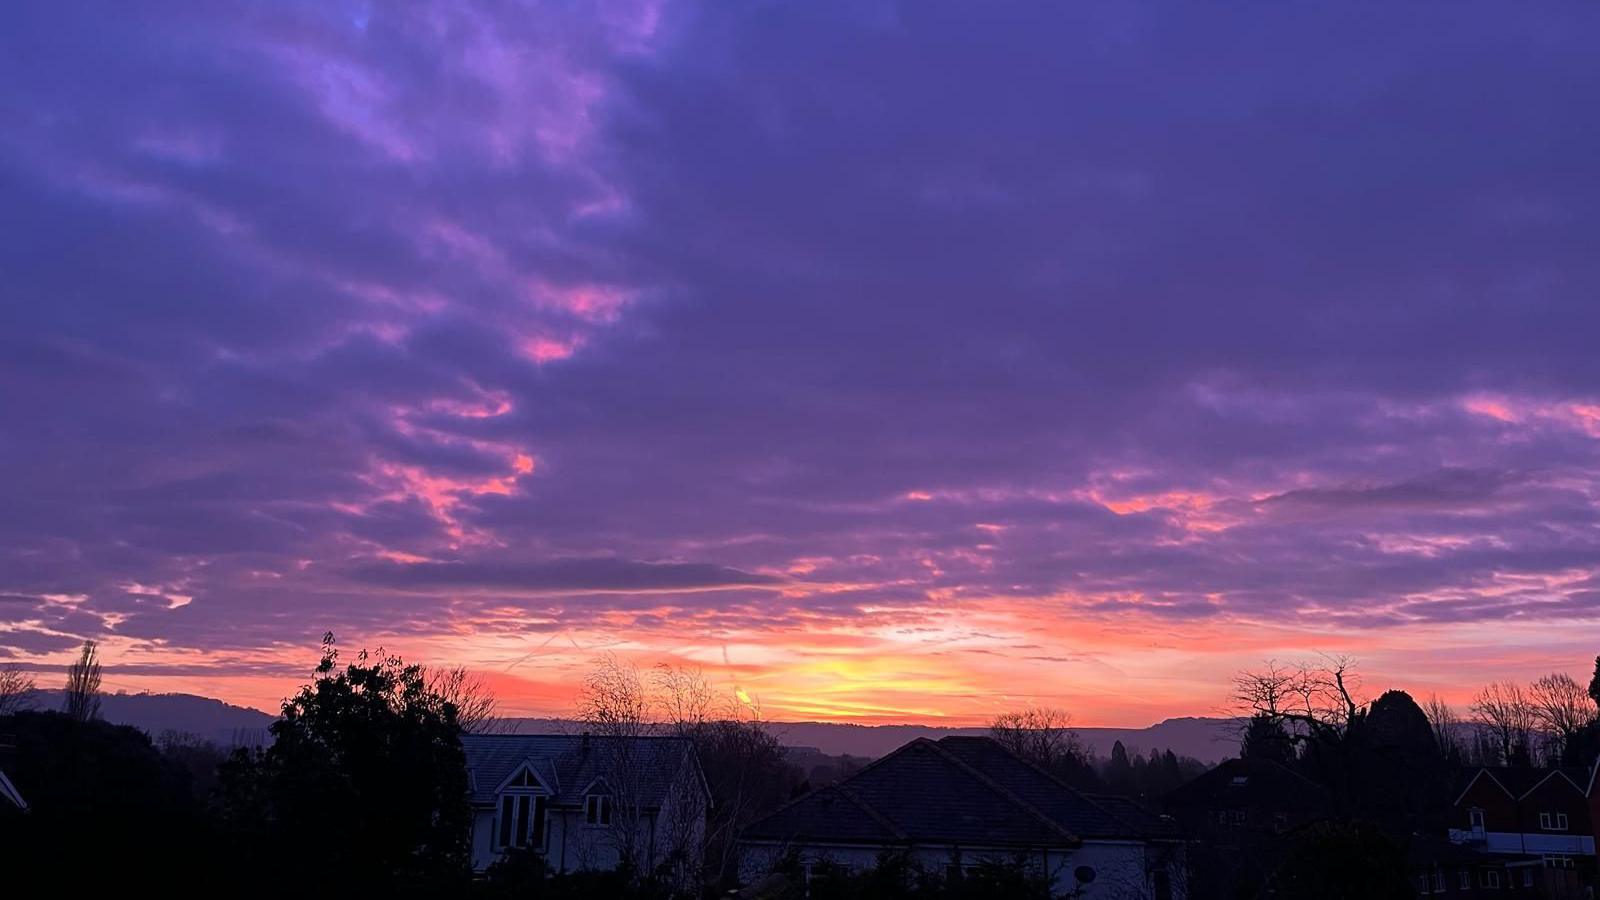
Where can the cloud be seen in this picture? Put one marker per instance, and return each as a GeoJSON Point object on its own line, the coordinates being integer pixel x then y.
{"type": "Point", "coordinates": [1055, 326]}
{"type": "Point", "coordinates": [566, 576]}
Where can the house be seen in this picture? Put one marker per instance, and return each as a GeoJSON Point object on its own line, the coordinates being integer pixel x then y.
{"type": "Point", "coordinates": [1242, 798]}
{"type": "Point", "coordinates": [1456, 871]}
{"type": "Point", "coordinates": [1243, 812]}
{"type": "Point", "coordinates": [952, 804]}
{"type": "Point", "coordinates": [586, 802]}
{"type": "Point", "coordinates": [1542, 814]}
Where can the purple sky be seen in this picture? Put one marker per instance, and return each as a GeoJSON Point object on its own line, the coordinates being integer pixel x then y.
{"type": "Point", "coordinates": [887, 360]}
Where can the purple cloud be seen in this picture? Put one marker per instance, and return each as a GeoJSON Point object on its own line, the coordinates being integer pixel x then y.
{"type": "Point", "coordinates": [681, 326]}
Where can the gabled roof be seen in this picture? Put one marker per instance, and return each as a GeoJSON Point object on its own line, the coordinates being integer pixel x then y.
{"type": "Point", "coordinates": [1262, 784]}
{"type": "Point", "coordinates": [958, 790]}
{"type": "Point", "coordinates": [9, 792]}
{"type": "Point", "coordinates": [566, 764]}
{"type": "Point", "coordinates": [1518, 782]}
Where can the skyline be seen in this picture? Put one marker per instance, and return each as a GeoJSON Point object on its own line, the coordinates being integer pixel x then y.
{"type": "Point", "coordinates": [890, 362]}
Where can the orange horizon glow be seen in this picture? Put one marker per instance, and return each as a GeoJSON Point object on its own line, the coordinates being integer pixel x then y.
{"type": "Point", "coordinates": [946, 673]}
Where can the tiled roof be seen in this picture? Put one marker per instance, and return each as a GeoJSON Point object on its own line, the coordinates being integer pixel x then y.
{"type": "Point", "coordinates": [959, 790]}
{"type": "Point", "coordinates": [1249, 784]}
{"type": "Point", "coordinates": [569, 764]}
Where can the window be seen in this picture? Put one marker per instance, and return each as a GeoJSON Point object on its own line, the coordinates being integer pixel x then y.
{"type": "Point", "coordinates": [1561, 821]}
{"type": "Point", "coordinates": [1438, 881]}
{"type": "Point", "coordinates": [597, 810]}
{"type": "Point", "coordinates": [1557, 861]}
{"type": "Point", "coordinates": [1466, 880]}
{"type": "Point", "coordinates": [1240, 780]}
{"type": "Point", "coordinates": [522, 816]}
{"type": "Point", "coordinates": [1544, 821]}
{"type": "Point", "coordinates": [1491, 879]}
{"type": "Point", "coordinates": [1476, 817]}
{"type": "Point", "coordinates": [1527, 878]}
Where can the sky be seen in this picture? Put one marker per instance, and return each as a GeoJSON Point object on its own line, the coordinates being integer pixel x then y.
{"type": "Point", "coordinates": [886, 361]}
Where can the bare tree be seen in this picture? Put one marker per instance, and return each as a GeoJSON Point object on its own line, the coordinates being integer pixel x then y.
{"type": "Point", "coordinates": [1561, 707]}
{"type": "Point", "coordinates": [83, 684]}
{"type": "Point", "coordinates": [1039, 734]}
{"type": "Point", "coordinates": [1503, 710]}
{"type": "Point", "coordinates": [16, 690]}
{"type": "Point", "coordinates": [474, 702]}
{"type": "Point", "coordinates": [683, 697]}
{"type": "Point", "coordinates": [613, 701]}
{"type": "Point", "coordinates": [1308, 700]}
{"type": "Point", "coordinates": [615, 710]}
{"type": "Point", "coordinates": [1445, 724]}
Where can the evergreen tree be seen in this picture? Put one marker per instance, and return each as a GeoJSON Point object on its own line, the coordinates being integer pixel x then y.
{"type": "Point", "coordinates": [364, 783]}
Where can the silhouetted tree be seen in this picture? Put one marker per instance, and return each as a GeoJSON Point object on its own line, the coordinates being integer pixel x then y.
{"type": "Point", "coordinates": [201, 759]}
{"type": "Point", "coordinates": [1445, 724]}
{"type": "Point", "coordinates": [16, 689]}
{"type": "Point", "coordinates": [616, 708]}
{"type": "Point", "coordinates": [1561, 708]}
{"type": "Point", "coordinates": [104, 805]}
{"type": "Point", "coordinates": [1397, 775]}
{"type": "Point", "coordinates": [366, 762]}
{"type": "Point", "coordinates": [1583, 746]}
{"type": "Point", "coordinates": [1502, 710]}
{"type": "Point", "coordinates": [1314, 703]}
{"type": "Point", "coordinates": [1594, 684]}
{"type": "Point", "coordinates": [743, 763]}
{"type": "Point", "coordinates": [1337, 861]}
{"type": "Point", "coordinates": [82, 700]}
{"type": "Point", "coordinates": [1395, 726]}
{"type": "Point", "coordinates": [474, 702]}
{"type": "Point", "coordinates": [1265, 738]}
{"type": "Point", "coordinates": [1119, 772]}
{"type": "Point", "coordinates": [1044, 737]}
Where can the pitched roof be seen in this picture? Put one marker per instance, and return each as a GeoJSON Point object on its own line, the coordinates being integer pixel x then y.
{"type": "Point", "coordinates": [569, 764]}
{"type": "Point", "coordinates": [1243, 783]}
{"type": "Point", "coordinates": [958, 790]}
{"type": "Point", "coordinates": [9, 792]}
{"type": "Point", "coordinates": [1520, 781]}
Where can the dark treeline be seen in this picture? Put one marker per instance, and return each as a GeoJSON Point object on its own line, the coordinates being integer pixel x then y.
{"type": "Point", "coordinates": [1045, 737]}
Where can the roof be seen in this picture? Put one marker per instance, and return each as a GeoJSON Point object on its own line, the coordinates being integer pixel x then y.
{"type": "Point", "coordinates": [1520, 781]}
{"type": "Point", "coordinates": [957, 790]}
{"type": "Point", "coordinates": [570, 766]}
{"type": "Point", "coordinates": [1127, 810]}
{"type": "Point", "coordinates": [8, 791]}
{"type": "Point", "coordinates": [1249, 784]}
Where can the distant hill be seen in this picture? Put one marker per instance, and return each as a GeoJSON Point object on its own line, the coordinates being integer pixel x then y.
{"type": "Point", "coordinates": [214, 720]}
{"type": "Point", "coordinates": [1208, 740]}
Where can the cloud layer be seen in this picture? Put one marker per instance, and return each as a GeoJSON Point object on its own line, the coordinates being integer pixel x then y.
{"type": "Point", "coordinates": [889, 360]}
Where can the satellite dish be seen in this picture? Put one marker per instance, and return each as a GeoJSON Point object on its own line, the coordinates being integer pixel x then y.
{"type": "Point", "coordinates": [1084, 874]}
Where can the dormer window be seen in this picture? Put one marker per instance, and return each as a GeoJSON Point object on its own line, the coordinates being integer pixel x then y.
{"type": "Point", "coordinates": [1476, 818]}
{"type": "Point", "coordinates": [597, 809]}
{"type": "Point", "coordinates": [522, 807]}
